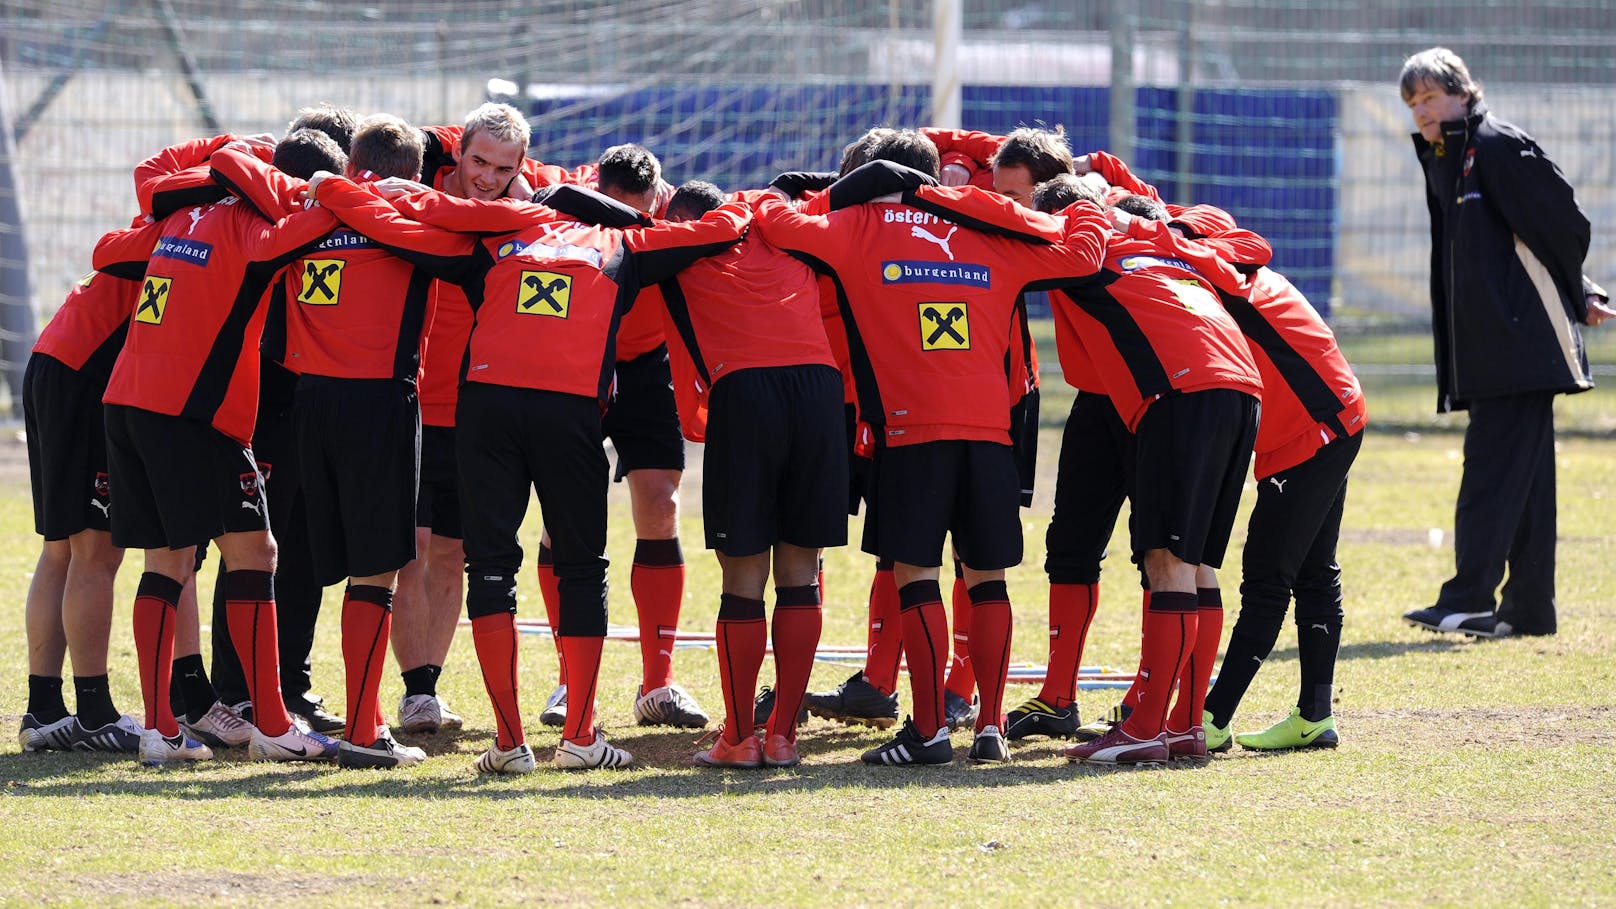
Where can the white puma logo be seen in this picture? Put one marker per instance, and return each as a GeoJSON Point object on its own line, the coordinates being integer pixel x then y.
{"type": "Point", "coordinates": [1278, 484]}
{"type": "Point", "coordinates": [196, 215]}
{"type": "Point", "coordinates": [921, 233]}
{"type": "Point", "coordinates": [101, 505]}
{"type": "Point", "coordinates": [1323, 628]}
{"type": "Point", "coordinates": [252, 507]}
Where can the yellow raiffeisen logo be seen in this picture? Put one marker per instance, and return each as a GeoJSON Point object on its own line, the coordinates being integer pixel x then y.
{"type": "Point", "coordinates": [944, 326]}
{"type": "Point", "coordinates": [153, 300]}
{"type": "Point", "coordinates": [320, 282]}
{"type": "Point", "coordinates": [1194, 296]}
{"type": "Point", "coordinates": [544, 293]}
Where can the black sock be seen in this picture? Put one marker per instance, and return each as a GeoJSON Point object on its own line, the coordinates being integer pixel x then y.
{"type": "Point", "coordinates": [421, 680]}
{"type": "Point", "coordinates": [1249, 644]}
{"type": "Point", "coordinates": [1316, 646]}
{"type": "Point", "coordinates": [94, 701]}
{"type": "Point", "coordinates": [45, 698]}
{"type": "Point", "coordinates": [196, 692]}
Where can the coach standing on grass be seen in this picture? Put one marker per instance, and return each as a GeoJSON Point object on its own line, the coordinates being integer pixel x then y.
{"type": "Point", "coordinates": [1507, 294]}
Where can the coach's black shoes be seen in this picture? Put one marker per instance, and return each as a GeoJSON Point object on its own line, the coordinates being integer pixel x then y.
{"type": "Point", "coordinates": [989, 747]}
{"type": "Point", "coordinates": [312, 710]}
{"type": "Point", "coordinates": [910, 747]}
{"type": "Point", "coordinates": [1451, 621]}
{"type": "Point", "coordinates": [856, 702]}
{"type": "Point", "coordinates": [1037, 717]}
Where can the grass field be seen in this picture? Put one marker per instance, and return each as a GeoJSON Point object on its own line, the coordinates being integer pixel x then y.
{"type": "Point", "coordinates": [1469, 773]}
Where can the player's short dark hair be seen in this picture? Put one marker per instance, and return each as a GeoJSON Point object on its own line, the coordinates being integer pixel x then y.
{"type": "Point", "coordinates": [1142, 207]}
{"type": "Point", "coordinates": [910, 148]}
{"type": "Point", "coordinates": [1062, 190]}
{"type": "Point", "coordinates": [1045, 153]}
{"type": "Point", "coordinates": [387, 146]}
{"type": "Point", "coordinates": [629, 169]}
{"type": "Point", "coordinates": [856, 153]}
{"type": "Point", "coordinates": [1442, 68]}
{"type": "Point", "coordinates": [337, 122]}
{"type": "Point", "coordinates": [305, 151]}
{"type": "Point", "coordinates": [694, 199]}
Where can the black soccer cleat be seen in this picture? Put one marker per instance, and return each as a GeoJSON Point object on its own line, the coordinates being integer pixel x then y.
{"type": "Point", "coordinates": [1036, 717]}
{"type": "Point", "coordinates": [856, 702]}
{"type": "Point", "coordinates": [909, 748]}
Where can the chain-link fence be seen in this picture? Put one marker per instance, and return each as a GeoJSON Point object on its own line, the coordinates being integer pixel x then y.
{"type": "Point", "coordinates": [1285, 112]}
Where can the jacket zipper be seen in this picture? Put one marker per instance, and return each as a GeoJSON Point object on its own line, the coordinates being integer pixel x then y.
{"type": "Point", "coordinates": [1453, 335]}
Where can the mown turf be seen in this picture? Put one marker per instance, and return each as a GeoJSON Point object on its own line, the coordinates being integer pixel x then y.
{"type": "Point", "coordinates": [1468, 773]}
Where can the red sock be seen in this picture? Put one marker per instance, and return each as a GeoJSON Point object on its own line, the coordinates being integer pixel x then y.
{"type": "Point", "coordinates": [961, 674]}
{"type": "Point", "coordinates": [1197, 672]}
{"type": "Point", "coordinates": [155, 608]}
{"type": "Point", "coordinates": [798, 619]}
{"type": "Point", "coordinates": [925, 645]}
{"type": "Point", "coordinates": [367, 619]}
{"type": "Point", "coordinates": [1169, 638]}
{"type": "Point", "coordinates": [249, 603]}
{"type": "Point", "coordinates": [1130, 697]}
{"type": "Point", "coordinates": [990, 648]}
{"type": "Point", "coordinates": [1071, 612]}
{"type": "Point", "coordinates": [658, 583]}
{"type": "Point", "coordinates": [494, 636]}
{"type": "Point", "coordinates": [581, 657]}
{"type": "Point", "coordinates": [550, 593]}
{"type": "Point", "coordinates": [743, 636]}
{"type": "Point", "coordinates": [886, 631]}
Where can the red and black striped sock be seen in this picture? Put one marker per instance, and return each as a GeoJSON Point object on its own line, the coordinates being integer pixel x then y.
{"type": "Point", "coordinates": [658, 583]}
{"type": "Point", "coordinates": [249, 608]}
{"type": "Point", "coordinates": [494, 636]}
{"type": "Point", "coordinates": [885, 643]}
{"type": "Point", "coordinates": [961, 673]}
{"type": "Point", "coordinates": [925, 645]}
{"type": "Point", "coordinates": [1169, 639]}
{"type": "Point", "coordinates": [1071, 612]}
{"type": "Point", "coordinates": [156, 603]}
{"type": "Point", "coordinates": [580, 657]}
{"type": "Point", "coordinates": [550, 593]}
{"type": "Point", "coordinates": [798, 619]}
{"type": "Point", "coordinates": [1197, 673]}
{"type": "Point", "coordinates": [743, 636]}
{"type": "Point", "coordinates": [367, 618]}
{"type": "Point", "coordinates": [991, 624]}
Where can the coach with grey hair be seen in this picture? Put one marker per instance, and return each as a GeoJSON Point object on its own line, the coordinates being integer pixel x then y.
{"type": "Point", "coordinates": [1507, 296]}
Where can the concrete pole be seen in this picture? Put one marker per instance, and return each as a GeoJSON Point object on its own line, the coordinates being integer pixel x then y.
{"type": "Point", "coordinates": [1122, 86]}
{"type": "Point", "coordinates": [948, 30]}
{"type": "Point", "coordinates": [17, 331]}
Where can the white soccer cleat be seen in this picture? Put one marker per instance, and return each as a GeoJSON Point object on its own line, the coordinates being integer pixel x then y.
{"type": "Point", "coordinates": [426, 713]}
{"type": "Point", "coordinates": [299, 743]}
{"type": "Point", "coordinates": [517, 760]}
{"type": "Point", "coordinates": [158, 750]}
{"type": "Point", "coordinates": [555, 708]}
{"type": "Point", "coordinates": [669, 705]}
{"type": "Point", "coordinates": [36, 736]}
{"type": "Point", "coordinates": [220, 727]}
{"type": "Point", "coordinates": [598, 753]}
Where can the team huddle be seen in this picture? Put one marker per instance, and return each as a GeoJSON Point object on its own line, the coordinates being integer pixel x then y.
{"type": "Point", "coordinates": [351, 356]}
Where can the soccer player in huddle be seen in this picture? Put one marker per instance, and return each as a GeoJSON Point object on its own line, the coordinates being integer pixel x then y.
{"type": "Point", "coordinates": [181, 404]}
{"type": "Point", "coordinates": [748, 323]}
{"type": "Point", "coordinates": [547, 290]}
{"type": "Point", "coordinates": [939, 403]}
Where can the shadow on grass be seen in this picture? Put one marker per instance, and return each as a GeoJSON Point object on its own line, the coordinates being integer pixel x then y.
{"type": "Point", "coordinates": [1381, 650]}
{"type": "Point", "coordinates": [663, 770]}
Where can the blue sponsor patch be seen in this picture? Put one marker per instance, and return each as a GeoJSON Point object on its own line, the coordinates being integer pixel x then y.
{"type": "Point", "coordinates": [1135, 263]}
{"type": "Point", "coordinates": [343, 238]}
{"type": "Point", "coordinates": [919, 272]}
{"type": "Point", "coordinates": [509, 248]}
{"type": "Point", "coordinates": [193, 251]}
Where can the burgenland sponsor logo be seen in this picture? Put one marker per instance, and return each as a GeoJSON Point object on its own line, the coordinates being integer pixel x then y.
{"type": "Point", "coordinates": [195, 252]}
{"type": "Point", "coordinates": [342, 238]}
{"type": "Point", "coordinates": [1135, 263]}
{"type": "Point", "coordinates": [911, 271]}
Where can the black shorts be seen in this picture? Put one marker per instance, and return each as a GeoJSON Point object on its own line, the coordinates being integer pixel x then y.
{"type": "Point", "coordinates": [178, 482]}
{"type": "Point", "coordinates": [359, 452]}
{"type": "Point", "coordinates": [643, 420]}
{"type": "Point", "coordinates": [923, 492]}
{"type": "Point", "coordinates": [438, 504]}
{"type": "Point", "coordinates": [1096, 456]}
{"type": "Point", "coordinates": [67, 448]}
{"type": "Point", "coordinates": [775, 466]}
{"type": "Point", "coordinates": [1192, 454]}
